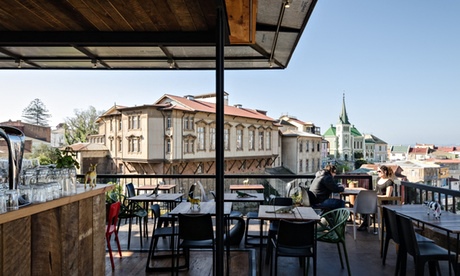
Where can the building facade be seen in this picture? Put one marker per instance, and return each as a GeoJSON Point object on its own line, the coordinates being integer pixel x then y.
{"type": "Point", "coordinates": [58, 136]}
{"type": "Point", "coordinates": [35, 135]}
{"type": "Point", "coordinates": [177, 135]}
{"type": "Point", "coordinates": [398, 152]}
{"type": "Point", "coordinates": [301, 146]}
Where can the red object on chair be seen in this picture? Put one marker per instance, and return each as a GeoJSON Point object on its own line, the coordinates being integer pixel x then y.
{"type": "Point", "coordinates": [111, 228]}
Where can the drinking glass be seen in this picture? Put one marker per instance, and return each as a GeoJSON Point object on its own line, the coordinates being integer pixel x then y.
{"type": "Point", "coordinates": [72, 178]}
{"type": "Point", "coordinates": [39, 193]}
{"type": "Point", "coordinates": [29, 176]}
{"type": "Point", "coordinates": [3, 203]}
{"type": "Point", "coordinates": [64, 180]}
{"type": "Point", "coordinates": [12, 199]}
{"type": "Point", "coordinates": [43, 175]}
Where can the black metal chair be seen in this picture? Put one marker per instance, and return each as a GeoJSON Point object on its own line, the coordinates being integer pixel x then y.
{"type": "Point", "coordinates": [273, 226]}
{"type": "Point", "coordinates": [132, 210]}
{"type": "Point", "coordinates": [253, 239]}
{"type": "Point", "coordinates": [391, 233]}
{"type": "Point", "coordinates": [130, 190]}
{"type": "Point", "coordinates": [295, 239]}
{"type": "Point", "coordinates": [195, 231]}
{"type": "Point", "coordinates": [159, 231]}
{"type": "Point", "coordinates": [236, 233]}
{"type": "Point", "coordinates": [423, 253]}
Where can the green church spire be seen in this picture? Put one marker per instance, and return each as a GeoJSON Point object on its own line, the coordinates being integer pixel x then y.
{"type": "Point", "coordinates": [343, 119]}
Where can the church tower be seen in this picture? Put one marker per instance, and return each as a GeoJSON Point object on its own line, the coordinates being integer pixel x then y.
{"type": "Point", "coordinates": [343, 132]}
{"type": "Point", "coordinates": [345, 141]}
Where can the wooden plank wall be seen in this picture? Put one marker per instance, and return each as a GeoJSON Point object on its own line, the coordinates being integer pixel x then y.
{"type": "Point", "coordinates": [16, 245]}
{"type": "Point", "coordinates": [68, 240]}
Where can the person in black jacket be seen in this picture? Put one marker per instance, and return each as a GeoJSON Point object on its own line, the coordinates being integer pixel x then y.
{"type": "Point", "coordinates": [323, 186]}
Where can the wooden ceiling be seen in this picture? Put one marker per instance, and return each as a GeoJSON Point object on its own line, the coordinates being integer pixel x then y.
{"type": "Point", "coordinates": [148, 34]}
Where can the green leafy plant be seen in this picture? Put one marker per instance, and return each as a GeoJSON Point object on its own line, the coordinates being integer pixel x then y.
{"type": "Point", "coordinates": [114, 195]}
{"type": "Point", "coordinates": [296, 198]}
{"type": "Point", "coordinates": [66, 158]}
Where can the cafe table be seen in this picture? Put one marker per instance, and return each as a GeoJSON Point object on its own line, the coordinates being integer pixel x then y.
{"type": "Point", "coordinates": [205, 208]}
{"type": "Point", "coordinates": [274, 212]}
{"type": "Point", "coordinates": [246, 187]}
{"type": "Point", "coordinates": [170, 199]}
{"type": "Point", "coordinates": [252, 197]}
{"type": "Point", "coordinates": [351, 193]}
{"type": "Point", "coordinates": [448, 222]}
{"type": "Point", "coordinates": [208, 207]}
{"type": "Point", "coordinates": [257, 198]}
{"type": "Point", "coordinates": [162, 187]}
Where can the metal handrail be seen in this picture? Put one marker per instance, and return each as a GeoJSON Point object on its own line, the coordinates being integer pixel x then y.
{"type": "Point", "coordinates": [411, 192]}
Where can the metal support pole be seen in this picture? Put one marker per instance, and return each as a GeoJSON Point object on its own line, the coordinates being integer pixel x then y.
{"type": "Point", "coordinates": [220, 138]}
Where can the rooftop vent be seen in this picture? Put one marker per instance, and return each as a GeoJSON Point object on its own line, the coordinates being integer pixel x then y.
{"type": "Point", "coordinates": [189, 97]}
{"type": "Point", "coordinates": [238, 105]}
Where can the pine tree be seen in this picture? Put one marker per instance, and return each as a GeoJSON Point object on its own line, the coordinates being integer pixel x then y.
{"type": "Point", "coordinates": [36, 113]}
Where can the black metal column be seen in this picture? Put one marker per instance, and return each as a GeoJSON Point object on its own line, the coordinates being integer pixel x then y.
{"type": "Point", "coordinates": [220, 223]}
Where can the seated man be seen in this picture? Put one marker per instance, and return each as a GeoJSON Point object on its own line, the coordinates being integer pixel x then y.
{"type": "Point", "coordinates": [323, 186]}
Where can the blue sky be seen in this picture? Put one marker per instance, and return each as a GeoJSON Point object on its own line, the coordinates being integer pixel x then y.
{"type": "Point", "coordinates": [397, 61]}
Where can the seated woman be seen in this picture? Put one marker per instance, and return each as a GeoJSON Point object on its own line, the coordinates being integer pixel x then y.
{"type": "Point", "coordinates": [384, 187]}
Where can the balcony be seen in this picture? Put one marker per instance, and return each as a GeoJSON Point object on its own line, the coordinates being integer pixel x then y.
{"type": "Point", "coordinates": [363, 253]}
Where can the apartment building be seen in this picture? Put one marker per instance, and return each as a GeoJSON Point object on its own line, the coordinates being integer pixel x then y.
{"type": "Point", "coordinates": [419, 153]}
{"type": "Point", "coordinates": [420, 172]}
{"type": "Point", "coordinates": [177, 135]}
{"type": "Point", "coordinates": [376, 149]}
{"type": "Point", "coordinates": [302, 148]}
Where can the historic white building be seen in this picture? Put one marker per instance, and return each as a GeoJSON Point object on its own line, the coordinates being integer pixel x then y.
{"type": "Point", "coordinates": [347, 143]}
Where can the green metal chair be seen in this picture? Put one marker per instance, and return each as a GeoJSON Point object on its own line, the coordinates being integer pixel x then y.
{"type": "Point", "coordinates": [331, 229]}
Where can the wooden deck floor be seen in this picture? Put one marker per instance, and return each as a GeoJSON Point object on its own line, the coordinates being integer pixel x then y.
{"type": "Point", "coordinates": [364, 258]}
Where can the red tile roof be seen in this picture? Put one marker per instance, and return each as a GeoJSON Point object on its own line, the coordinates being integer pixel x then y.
{"type": "Point", "coordinates": [444, 161]}
{"type": "Point", "coordinates": [297, 120]}
{"type": "Point", "coordinates": [419, 150]}
{"type": "Point", "coordinates": [446, 149]}
{"type": "Point", "coordinates": [203, 106]}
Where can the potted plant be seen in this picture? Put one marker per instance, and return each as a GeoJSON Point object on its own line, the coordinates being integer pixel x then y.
{"type": "Point", "coordinates": [67, 165]}
{"type": "Point", "coordinates": [66, 158]}
{"type": "Point", "coordinates": [113, 196]}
